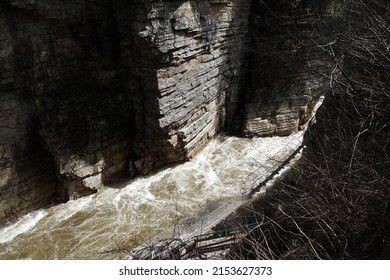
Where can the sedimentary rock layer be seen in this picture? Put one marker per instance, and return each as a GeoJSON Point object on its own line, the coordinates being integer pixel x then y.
{"type": "Point", "coordinates": [65, 112]}
{"type": "Point", "coordinates": [288, 68]}
{"type": "Point", "coordinates": [188, 58]}
{"type": "Point", "coordinates": [93, 89]}
{"type": "Point", "coordinates": [90, 89]}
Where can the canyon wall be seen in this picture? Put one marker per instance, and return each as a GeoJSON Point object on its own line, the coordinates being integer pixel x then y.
{"type": "Point", "coordinates": [187, 59]}
{"type": "Point", "coordinates": [94, 90]}
{"type": "Point", "coordinates": [90, 90]}
{"type": "Point", "coordinates": [65, 110]}
{"type": "Point", "coordinates": [288, 67]}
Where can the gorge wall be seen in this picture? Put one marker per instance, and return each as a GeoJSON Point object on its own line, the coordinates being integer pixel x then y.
{"type": "Point", "coordinates": [186, 70]}
{"type": "Point", "coordinates": [288, 68]}
{"type": "Point", "coordinates": [92, 89]}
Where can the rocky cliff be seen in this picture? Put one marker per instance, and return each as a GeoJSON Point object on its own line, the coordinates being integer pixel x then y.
{"type": "Point", "coordinates": [186, 69]}
{"type": "Point", "coordinates": [91, 89]}
{"type": "Point", "coordinates": [65, 110]}
{"type": "Point", "coordinates": [288, 68]}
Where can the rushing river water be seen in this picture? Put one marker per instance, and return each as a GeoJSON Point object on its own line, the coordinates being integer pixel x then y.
{"type": "Point", "coordinates": [106, 224]}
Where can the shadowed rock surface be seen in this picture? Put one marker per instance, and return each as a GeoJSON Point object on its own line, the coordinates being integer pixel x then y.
{"type": "Point", "coordinates": [94, 90]}
{"type": "Point", "coordinates": [287, 69]}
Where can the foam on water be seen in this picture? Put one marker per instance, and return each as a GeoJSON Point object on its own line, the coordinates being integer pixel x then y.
{"type": "Point", "coordinates": [64, 212]}
{"type": "Point", "coordinates": [146, 206]}
{"type": "Point", "coordinates": [23, 225]}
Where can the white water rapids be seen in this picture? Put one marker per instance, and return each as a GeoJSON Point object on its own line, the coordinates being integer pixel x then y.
{"type": "Point", "coordinates": [104, 225]}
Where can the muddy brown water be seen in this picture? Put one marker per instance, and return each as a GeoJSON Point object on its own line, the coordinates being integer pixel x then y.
{"type": "Point", "coordinates": [108, 224]}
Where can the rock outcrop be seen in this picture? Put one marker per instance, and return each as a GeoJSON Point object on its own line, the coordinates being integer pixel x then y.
{"type": "Point", "coordinates": [92, 89]}
{"type": "Point", "coordinates": [188, 57]}
{"type": "Point", "coordinates": [65, 112]}
{"type": "Point", "coordinates": [288, 68]}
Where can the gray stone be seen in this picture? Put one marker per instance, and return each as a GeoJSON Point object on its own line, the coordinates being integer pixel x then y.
{"type": "Point", "coordinates": [93, 182]}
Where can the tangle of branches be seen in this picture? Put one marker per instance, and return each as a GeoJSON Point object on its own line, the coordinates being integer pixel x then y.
{"type": "Point", "coordinates": [335, 203]}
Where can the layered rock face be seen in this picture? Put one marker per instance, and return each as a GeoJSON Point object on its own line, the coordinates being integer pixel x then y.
{"type": "Point", "coordinates": [65, 112]}
{"type": "Point", "coordinates": [188, 57]}
{"type": "Point", "coordinates": [288, 69]}
{"type": "Point", "coordinates": [91, 89]}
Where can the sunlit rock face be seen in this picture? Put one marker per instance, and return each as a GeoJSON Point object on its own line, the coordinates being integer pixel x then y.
{"type": "Point", "coordinates": [187, 58]}
{"type": "Point", "coordinates": [93, 89]}
{"type": "Point", "coordinates": [288, 68]}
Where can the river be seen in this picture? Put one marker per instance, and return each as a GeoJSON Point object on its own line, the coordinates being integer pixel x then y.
{"type": "Point", "coordinates": [108, 224]}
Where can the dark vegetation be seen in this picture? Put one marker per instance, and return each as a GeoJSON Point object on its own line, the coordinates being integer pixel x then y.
{"type": "Point", "coordinates": [335, 203]}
